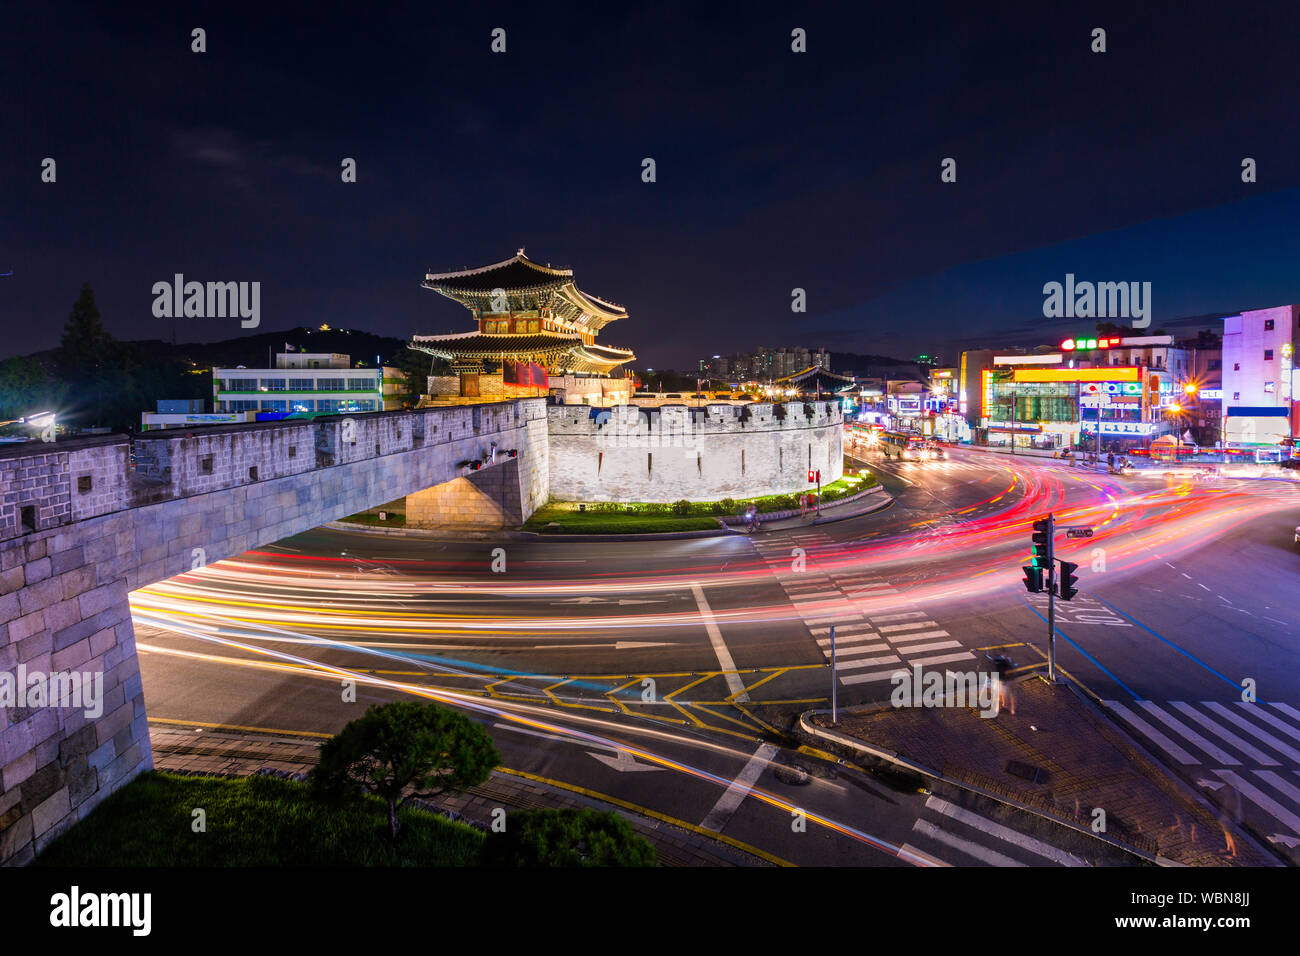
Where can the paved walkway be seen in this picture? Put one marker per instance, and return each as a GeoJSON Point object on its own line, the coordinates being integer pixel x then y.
{"type": "Point", "coordinates": [240, 754]}
{"type": "Point", "coordinates": [1057, 755]}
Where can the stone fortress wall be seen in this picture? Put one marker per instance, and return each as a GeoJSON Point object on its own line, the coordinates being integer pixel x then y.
{"type": "Point", "coordinates": [664, 454]}
{"type": "Point", "coordinates": [80, 528]}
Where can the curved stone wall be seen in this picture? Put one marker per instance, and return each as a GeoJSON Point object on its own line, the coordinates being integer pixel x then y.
{"type": "Point", "coordinates": [630, 453]}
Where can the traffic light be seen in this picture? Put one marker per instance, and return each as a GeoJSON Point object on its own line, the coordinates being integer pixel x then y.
{"type": "Point", "coordinates": [1066, 587]}
{"type": "Point", "coordinates": [814, 475]}
{"type": "Point", "coordinates": [1033, 578]}
{"type": "Point", "coordinates": [1042, 544]}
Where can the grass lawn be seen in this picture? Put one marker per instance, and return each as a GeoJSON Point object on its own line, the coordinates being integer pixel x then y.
{"type": "Point", "coordinates": [252, 821]}
{"type": "Point", "coordinates": [592, 522]}
{"type": "Point", "coordinates": [366, 517]}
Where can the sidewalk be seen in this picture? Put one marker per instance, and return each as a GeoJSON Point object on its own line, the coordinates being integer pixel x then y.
{"type": "Point", "coordinates": [240, 754]}
{"type": "Point", "coordinates": [1057, 756]}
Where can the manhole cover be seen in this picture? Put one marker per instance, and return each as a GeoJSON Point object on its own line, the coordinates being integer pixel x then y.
{"type": "Point", "coordinates": [1026, 771]}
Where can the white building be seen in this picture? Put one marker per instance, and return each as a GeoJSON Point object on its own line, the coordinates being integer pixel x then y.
{"type": "Point", "coordinates": [1259, 381]}
{"type": "Point", "coordinates": [314, 382]}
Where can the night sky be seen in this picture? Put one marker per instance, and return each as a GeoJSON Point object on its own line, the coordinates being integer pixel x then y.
{"type": "Point", "coordinates": [775, 170]}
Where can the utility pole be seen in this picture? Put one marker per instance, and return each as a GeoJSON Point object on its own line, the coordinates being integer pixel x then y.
{"type": "Point", "coordinates": [1044, 560]}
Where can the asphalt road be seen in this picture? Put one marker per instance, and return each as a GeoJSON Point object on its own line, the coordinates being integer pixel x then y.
{"type": "Point", "coordinates": [656, 671]}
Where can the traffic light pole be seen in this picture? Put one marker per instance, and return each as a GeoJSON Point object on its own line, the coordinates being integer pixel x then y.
{"type": "Point", "coordinates": [834, 699]}
{"type": "Point", "coordinates": [1051, 599]}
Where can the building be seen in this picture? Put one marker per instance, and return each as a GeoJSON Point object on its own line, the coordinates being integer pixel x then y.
{"type": "Point", "coordinates": [315, 383]}
{"type": "Point", "coordinates": [1259, 381]}
{"type": "Point", "coordinates": [1108, 391]}
{"type": "Point", "coordinates": [535, 334]}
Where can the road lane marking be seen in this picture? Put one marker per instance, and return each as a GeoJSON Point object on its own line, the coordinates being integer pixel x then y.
{"type": "Point", "coordinates": [983, 854]}
{"type": "Point", "coordinates": [867, 662]}
{"type": "Point", "coordinates": [893, 628]}
{"type": "Point", "coordinates": [1014, 837]}
{"type": "Point", "coordinates": [873, 676]}
{"type": "Point", "coordinates": [1259, 711]}
{"type": "Point", "coordinates": [1184, 731]}
{"type": "Point", "coordinates": [734, 683]}
{"type": "Point", "coordinates": [841, 652]}
{"type": "Point", "coordinates": [937, 646]}
{"type": "Point", "coordinates": [1261, 799]}
{"type": "Point", "coordinates": [735, 794]}
{"type": "Point", "coordinates": [1254, 754]}
{"type": "Point", "coordinates": [897, 617]}
{"type": "Point", "coordinates": [1254, 731]}
{"type": "Point", "coordinates": [944, 658]}
{"type": "Point", "coordinates": [918, 636]}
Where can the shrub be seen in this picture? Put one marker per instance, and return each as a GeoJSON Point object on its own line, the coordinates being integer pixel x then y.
{"type": "Point", "coordinates": [538, 838]}
{"type": "Point", "coordinates": [682, 507]}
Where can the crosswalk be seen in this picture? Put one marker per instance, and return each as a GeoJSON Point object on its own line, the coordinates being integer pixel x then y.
{"type": "Point", "coordinates": [946, 834]}
{"type": "Point", "coordinates": [1245, 755]}
{"type": "Point", "coordinates": [873, 640]}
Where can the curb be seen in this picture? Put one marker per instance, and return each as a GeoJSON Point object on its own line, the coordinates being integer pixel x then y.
{"type": "Point", "coordinates": [723, 531]}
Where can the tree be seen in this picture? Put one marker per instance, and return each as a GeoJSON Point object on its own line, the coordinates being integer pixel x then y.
{"type": "Point", "coordinates": [404, 750]}
{"type": "Point", "coordinates": [537, 838]}
{"type": "Point", "coordinates": [26, 387]}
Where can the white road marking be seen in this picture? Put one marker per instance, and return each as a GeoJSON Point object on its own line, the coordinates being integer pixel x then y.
{"type": "Point", "coordinates": [725, 662]}
{"type": "Point", "coordinates": [1155, 736]}
{"type": "Point", "coordinates": [1261, 800]}
{"type": "Point", "coordinates": [907, 850]}
{"type": "Point", "coordinates": [897, 617]}
{"type": "Point", "coordinates": [1244, 724]}
{"type": "Point", "coordinates": [739, 789]}
{"type": "Point", "coordinates": [842, 629]}
{"type": "Point", "coordinates": [1253, 753]}
{"type": "Point", "coordinates": [983, 854]}
{"type": "Point", "coordinates": [937, 646]}
{"type": "Point", "coordinates": [1045, 850]}
{"type": "Point", "coordinates": [892, 628]}
{"type": "Point", "coordinates": [944, 658]}
{"type": "Point", "coordinates": [867, 662]}
{"type": "Point", "coordinates": [919, 636]}
{"type": "Point", "coordinates": [1184, 731]}
{"type": "Point", "coordinates": [843, 639]}
{"type": "Point", "coordinates": [842, 652]}
{"type": "Point", "coordinates": [1259, 711]}
{"type": "Point", "coordinates": [872, 676]}
{"type": "Point", "coordinates": [1288, 710]}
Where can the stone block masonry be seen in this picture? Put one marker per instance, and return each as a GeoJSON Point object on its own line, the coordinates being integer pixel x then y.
{"type": "Point", "coordinates": [629, 453]}
{"type": "Point", "coordinates": [80, 528]}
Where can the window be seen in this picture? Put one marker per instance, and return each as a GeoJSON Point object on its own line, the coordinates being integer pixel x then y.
{"type": "Point", "coordinates": [1268, 355]}
{"type": "Point", "coordinates": [331, 384]}
{"type": "Point", "coordinates": [1216, 365]}
{"type": "Point", "coordinates": [242, 405]}
{"type": "Point", "coordinates": [274, 405]}
{"type": "Point", "coordinates": [1268, 325]}
{"type": "Point", "coordinates": [241, 385]}
{"type": "Point", "coordinates": [273, 384]}
{"type": "Point", "coordinates": [361, 385]}
{"type": "Point", "coordinates": [534, 325]}
{"type": "Point", "coordinates": [83, 484]}
{"type": "Point", "coordinates": [1236, 366]}
{"type": "Point", "coordinates": [301, 384]}
{"type": "Point", "coordinates": [206, 464]}
{"type": "Point", "coordinates": [1236, 396]}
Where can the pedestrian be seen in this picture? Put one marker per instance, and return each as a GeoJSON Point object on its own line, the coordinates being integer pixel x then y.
{"type": "Point", "coordinates": [803, 505]}
{"type": "Point", "coordinates": [1110, 460]}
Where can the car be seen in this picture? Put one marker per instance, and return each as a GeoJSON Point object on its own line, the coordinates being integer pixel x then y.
{"type": "Point", "coordinates": [1297, 534]}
